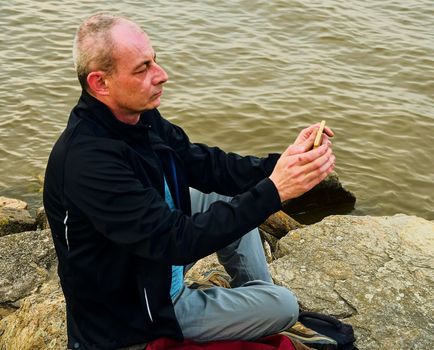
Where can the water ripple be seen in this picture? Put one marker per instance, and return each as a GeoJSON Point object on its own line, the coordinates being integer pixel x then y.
{"type": "Point", "coordinates": [247, 76]}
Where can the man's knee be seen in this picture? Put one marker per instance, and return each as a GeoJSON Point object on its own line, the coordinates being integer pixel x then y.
{"type": "Point", "coordinates": [285, 309]}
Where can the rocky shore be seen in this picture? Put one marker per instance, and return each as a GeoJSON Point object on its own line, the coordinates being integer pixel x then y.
{"type": "Point", "coordinates": [376, 273]}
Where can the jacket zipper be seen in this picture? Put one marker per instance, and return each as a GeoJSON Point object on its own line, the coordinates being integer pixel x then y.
{"type": "Point", "coordinates": [147, 305]}
{"type": "Point", "coordinates": [66, 230]}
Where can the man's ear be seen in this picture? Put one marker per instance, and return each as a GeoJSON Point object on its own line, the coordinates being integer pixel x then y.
{"type": "Point", "coordinates": [97, 83]}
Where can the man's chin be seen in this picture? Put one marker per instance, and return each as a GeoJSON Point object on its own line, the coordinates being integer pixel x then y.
{"type": "Point", "coordinates": [154, 104]}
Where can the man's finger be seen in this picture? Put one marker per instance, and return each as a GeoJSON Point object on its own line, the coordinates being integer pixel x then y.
{"type": "Point", "coordinates": [307, 157]}
{"type": "Point", "coordinates": [315, 180]}
{"type": "Point", "coordinates": [294, 149]}
{"type": "Point", "coordinates": [326, 140]}
{"type": "Point", "coordinates": [329, 131]}
{"type": "Point", "coordinates": [319, 165]}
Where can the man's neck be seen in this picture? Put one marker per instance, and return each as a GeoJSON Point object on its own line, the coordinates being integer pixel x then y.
{"type": "Point", "coordinates": [126, 118]}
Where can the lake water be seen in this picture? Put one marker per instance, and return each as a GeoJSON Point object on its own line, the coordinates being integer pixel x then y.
{"type": "Point", "coordinates": [246, 75]}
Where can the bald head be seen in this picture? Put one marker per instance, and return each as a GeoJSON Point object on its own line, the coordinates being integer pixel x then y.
{"type": "Point", "coordinates": [95, 47]}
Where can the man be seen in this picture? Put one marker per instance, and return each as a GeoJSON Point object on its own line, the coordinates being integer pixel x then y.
{"type": "Point", "coordinates": [118, 203]}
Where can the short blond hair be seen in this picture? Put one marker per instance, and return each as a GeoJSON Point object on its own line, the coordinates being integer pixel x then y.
{"type": "Point", "coordinates": [93, 46]}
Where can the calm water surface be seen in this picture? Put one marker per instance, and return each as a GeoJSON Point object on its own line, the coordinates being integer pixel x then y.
{"type": "Point", "coordinates": [246, 75]}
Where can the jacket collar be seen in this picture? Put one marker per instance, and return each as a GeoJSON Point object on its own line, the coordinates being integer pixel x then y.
{"type": "Point", "coordinates": [90, 108]}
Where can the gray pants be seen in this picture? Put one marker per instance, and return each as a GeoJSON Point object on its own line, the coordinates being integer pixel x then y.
{"type": "Point", "coordinates": [252, 308]}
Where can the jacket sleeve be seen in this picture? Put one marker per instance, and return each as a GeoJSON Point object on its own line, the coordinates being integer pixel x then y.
{"type": "Point", "coordinates": [102, 184]}
{"type": "Point", "coordinates": [210, 169]}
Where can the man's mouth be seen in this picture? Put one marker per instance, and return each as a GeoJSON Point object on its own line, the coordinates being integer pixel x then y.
{"type": "Point", "coordinates": [158, 94]}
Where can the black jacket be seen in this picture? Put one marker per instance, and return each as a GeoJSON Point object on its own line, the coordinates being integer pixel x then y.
{"type": "Point", "coordinates": [114, 234]}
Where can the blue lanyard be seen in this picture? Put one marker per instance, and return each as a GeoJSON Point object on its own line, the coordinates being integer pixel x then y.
{"type": "Point", "coordinates": [175, 180]}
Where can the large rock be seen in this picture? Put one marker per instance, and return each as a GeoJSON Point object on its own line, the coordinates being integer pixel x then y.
{"type": "Point", "coordinates": [12, 203]}
{"type": "Point", "coordinates": [39, 324]}
{"type": "Point", "coordinates": [327, 198]}
{"type": "Point", "coordinates": [279, 224]}
{"type": "Point", "coordinates": [14, 217]}
{"type": "Point", "coordinates": [376, 272]}
{"type": "Point", "coordinates": [26, 259]}
{"type": "Point", "coordinates": [275, 227]}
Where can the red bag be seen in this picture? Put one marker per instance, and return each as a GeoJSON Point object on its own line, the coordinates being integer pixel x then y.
{"type": "Point", "coordinates": [273, 342]}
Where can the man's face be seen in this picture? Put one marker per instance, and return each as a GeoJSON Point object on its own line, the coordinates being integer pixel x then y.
{"type": "Point", "coordinates": [136, 84]}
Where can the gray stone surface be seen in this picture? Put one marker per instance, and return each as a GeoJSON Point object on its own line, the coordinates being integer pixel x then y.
{"type": "Point", "coordinates": [12, 203]}
{"type": "Point", "coordinates": [41, 219]}
{"type": "Point", "coordinates": [275, 227]}
{"type": "Point", "coordinates": [40, 322]}
{"type": "Point", "coordinates": [15, 219]}
{"type": "Point", "coordinates": [376, 272]}
{"type": "Point", "coordinates": [26, 259]}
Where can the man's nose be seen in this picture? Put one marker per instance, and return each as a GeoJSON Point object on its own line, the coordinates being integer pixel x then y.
{"type": "Point", "coordinates": [160, 75]}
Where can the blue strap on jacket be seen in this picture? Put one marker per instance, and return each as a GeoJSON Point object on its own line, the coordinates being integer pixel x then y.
{"type": "Point", "coordinates": [177, 271]}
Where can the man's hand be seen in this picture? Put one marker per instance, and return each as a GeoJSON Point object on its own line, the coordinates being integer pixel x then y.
{"type": "Point", "coordinates": [306, 133]}
{"type": "Point", "coordinates": [300, 167]}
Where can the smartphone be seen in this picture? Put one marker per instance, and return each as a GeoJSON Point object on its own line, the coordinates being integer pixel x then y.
{"type": "Point", "coordinates": [318, 137]}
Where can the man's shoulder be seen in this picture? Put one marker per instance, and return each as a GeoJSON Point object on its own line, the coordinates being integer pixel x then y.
{"type": "Point", "coordinates": [82, 139]}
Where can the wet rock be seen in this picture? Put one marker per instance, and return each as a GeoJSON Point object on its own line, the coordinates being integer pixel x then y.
{"type": "Point", "coordinates": [327, 198]}
{"type": "Point", "coordinates": [376, 272]}
{"type": "Point", "coordinates": [26, 259]}
{"type": "Point", "coordinates": [14, 217]}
